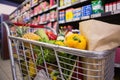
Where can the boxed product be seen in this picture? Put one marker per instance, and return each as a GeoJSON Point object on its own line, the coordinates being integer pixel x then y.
{"type": "Point", "coordinates": [61, 3]}
{"type": "Point", "coordinates": [52, 2]}
{"type": "Point", "coordinates": [69, 14]}
{"type": "Point", "coordinates": [97, 6]}
{"type": "Point", "coordinates": [77, 13]}
{"type": "Point", "coordinates": [67, 2]}
{"type": "Point", "coordinates": [117, 56]}
{"type": "Point", "coordinates": [86, 10]}
{"type": "Point", "coordinates": [52, 14]}
{"type": "Point", "coordinates": [43, 18]}
{"type": "Point", "coordinates": [48, 17]}
{"type": "Point", "coordinates": [73, 1]}
{"type": "Point", "coordinates": [62, 16]}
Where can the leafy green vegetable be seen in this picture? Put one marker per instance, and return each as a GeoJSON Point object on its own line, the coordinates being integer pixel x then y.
{"type": "Point", "coordinates": [48, 55]}
{"type": "Point", "coordinates": [21, 31]}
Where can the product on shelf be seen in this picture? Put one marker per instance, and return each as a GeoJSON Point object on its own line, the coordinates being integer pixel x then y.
{"type": "Point", "coordinates": [97, 6]}
{"type": "Point", "coordinates": [47, 17]}
{"type": "Point", "coordinates": [112, 6]}
{"type": "Point", "coordinates": [34, 2]}
{"type": "Point", "coordinates": [118, 4]}
{"type": "Point", "coordinates": [45, 5]}
{"type": "Point", "coordinates": [77, 13]}
{"type": "Point", "coordinates": [53, 14]}
{"type": "Point", "coordinates": [73, 1]}
{"type": "Point", "coordinates": [61, 3]}
{"type": "Point", "coordinates": [67, 2]}
{"type": "Point", "coordinates": [52, 2]}
{"type": "Point", "coordinates": [69, 14]}
{"type": "Point", "coordinates": [87, 10]}
{"type": "Point", "coordinates": [61, 16]}
{"type": "Point", "coordinates": [43, 18]}
{"type": "Point", "coordinates": [55, 25]}
{"type": "Point", "coordinates": [38, 19]}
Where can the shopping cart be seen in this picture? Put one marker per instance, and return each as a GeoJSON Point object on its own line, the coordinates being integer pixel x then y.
{"type": "Point", "coordinates": [44, 61]}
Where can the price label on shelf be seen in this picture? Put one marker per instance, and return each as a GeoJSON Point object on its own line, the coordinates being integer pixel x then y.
{"type": "Point", "coordinates": [116, 12]}
{"type": "Point", "coordinates": [83, 0]}
{"type": "Point", "coordinates": [96, 15]}
{"type": "Point", "coordinates": [85, 17]}
{"type": "Point", "coordinates": [61, 22]}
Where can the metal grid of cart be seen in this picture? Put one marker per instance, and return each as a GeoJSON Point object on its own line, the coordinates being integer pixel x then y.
{"type": "Point", "coordinates": [43, 61]}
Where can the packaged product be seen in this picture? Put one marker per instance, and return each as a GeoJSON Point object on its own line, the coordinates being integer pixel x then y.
{"type": "Point", "coordinates": [61, 3]}
{"type": "Point", "coordinates": [52, 14]}
{"type": "Point", "coordinates": [73, 1]}
{"type": "Point", "coordinates": [97, 6]}
{"type": "Point", "coordinates": [48, 17]}
{"type": "Point", "coordinates": [55, 25]}
{"type": "Point", "coordinates": [67, 2]}
{"type": "Point", "coordinates": [77, 13]}
{"type": "Point", "coordinates": [52, 2]}
{"type": "Point", "coordinates": [69, 14]}
{"type": "Point", "coordinates": [62, 16]}
{"type": "Point", "coordinates": [87, 10]}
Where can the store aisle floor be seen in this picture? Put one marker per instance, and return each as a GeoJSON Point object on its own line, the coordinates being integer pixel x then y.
{"type": "Point", "coordinates": [5, 70]}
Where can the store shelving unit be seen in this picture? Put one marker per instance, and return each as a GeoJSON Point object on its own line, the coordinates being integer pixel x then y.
{"type": "Point", "coordinates": [73, 4]}
{"type": "Point", "coordinates": [110, 16]}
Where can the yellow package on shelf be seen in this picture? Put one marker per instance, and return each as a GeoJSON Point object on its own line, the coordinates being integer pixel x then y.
{"type": "Point", "coordinates": [67, 2]}
{"type": "Point", "coordinates": [61, 3]}
{"type": "Point", "coordinates": [69, 14]}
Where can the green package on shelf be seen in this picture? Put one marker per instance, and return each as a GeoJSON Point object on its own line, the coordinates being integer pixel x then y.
{"type": "Point", "coordinates": [97, 6]}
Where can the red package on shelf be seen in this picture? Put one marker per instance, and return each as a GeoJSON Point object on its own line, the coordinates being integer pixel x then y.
{"type": "Point", "coordinates": [117, 55]}
{"type": "Point", "coordinates": [52, 2]}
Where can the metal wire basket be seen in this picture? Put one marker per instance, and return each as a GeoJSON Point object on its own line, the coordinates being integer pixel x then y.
{"type": "Point", "coordinates": [45, 61]}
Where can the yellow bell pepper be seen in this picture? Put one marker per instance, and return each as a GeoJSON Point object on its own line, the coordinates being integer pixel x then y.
{"type": "Point", "coordinates": [75, 41]}
{"type": "Point", "coordinates": [60, 43]}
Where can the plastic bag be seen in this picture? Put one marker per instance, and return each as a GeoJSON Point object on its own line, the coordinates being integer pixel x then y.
{"type": "Point", "coordinates": [41, 75]}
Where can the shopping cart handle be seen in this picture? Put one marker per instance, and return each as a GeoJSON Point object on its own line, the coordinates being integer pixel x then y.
{"type": "Point", "coordinates": [9, 23]}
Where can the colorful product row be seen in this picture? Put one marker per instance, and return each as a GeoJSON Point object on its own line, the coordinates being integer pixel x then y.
{"type": "Point", "coordinates": [44, 18]}
{"type": "Point", "coordinates": [112, 6]}
{"type": "Point", "coordinates": [75, 14]}
{"type": "Point", "coordinates": [67, 2]}
{"type": "Point", "coordinates": [51, 2]}
{"type": "Point", "coordinates": [41, 7]}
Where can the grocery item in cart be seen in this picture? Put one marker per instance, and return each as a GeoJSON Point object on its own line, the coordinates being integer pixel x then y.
{"type": "Point", "coordinates": [100, 35]}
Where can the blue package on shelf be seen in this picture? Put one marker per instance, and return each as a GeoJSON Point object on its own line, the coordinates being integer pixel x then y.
{"type": "Point", "coordinates": [77, 14]}
{"type": "Point", "coordinates": [87, 10]}
{"type": "Point", "coordinates": [61, 16]}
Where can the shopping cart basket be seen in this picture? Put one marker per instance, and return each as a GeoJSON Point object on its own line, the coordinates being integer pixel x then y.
{"type": "Point", "coordinates": [43, 61]}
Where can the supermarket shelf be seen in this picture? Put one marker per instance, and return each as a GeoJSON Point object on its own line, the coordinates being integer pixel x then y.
{"type": "Point", "coordinates": [24, 2]}
{"type": "Point", "coordinates": [25, 11]}
{"type": "Point", "coordinates": [53, 7]}
{"type": "Point", "coordinates": [37, 3]}
{"type": "Point", "coordinates": [73, 4]}
{"type": "Point", "coordinates": [117, 65]}
{"type": "Point", "coordinates": [99, 15]}
{"type": "Point", "coordinates": [53, 20]}
{"type": "Point", "coordinates": [43, 23]}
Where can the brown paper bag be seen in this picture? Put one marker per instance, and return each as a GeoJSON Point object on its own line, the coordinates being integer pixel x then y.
{"type": "Point", "coordinates": [100, 35]}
